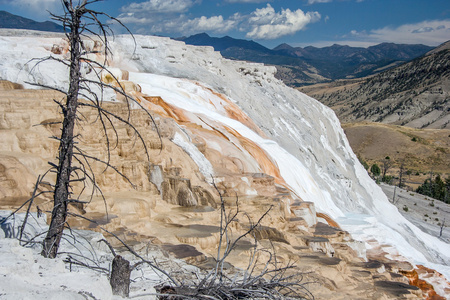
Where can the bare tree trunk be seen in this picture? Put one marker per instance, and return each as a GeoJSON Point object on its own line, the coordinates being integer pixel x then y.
{"type": "Point", "coordinates": [120, 276]}
{"type": "Point", "coordinates": [401, 176]}
{"type": "Point", "coordinates": [61, 194]}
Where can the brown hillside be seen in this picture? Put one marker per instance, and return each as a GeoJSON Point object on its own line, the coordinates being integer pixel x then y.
{"type": "Point", "coordinates": [415, 94]}
{"type": "Point", "coordinates": [420, 150]}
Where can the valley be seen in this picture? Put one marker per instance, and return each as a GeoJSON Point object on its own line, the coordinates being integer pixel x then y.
{"type": "Point", "coordinates": [298, 67]}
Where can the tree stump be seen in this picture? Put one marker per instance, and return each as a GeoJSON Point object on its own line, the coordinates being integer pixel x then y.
{"type": "Point", "coordinates": [120, 276]}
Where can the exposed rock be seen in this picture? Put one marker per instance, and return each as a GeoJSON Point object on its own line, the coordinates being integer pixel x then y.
{"type": "Point", "coordinates": [181, 210]}
{"type": "Point", "coordinates": [156, 176]}
{"type": "Point", "coordinates": [397, 289]}
{"type": "Point", "coordinates": [319, 244]}
{"type": "Point", "coordinates": [305, 210]}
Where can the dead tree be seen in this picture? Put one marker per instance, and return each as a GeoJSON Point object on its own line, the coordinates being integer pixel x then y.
{"type": "Point", "coordinates": [401, 171]}
{"type": "Point", "coordinates": [260, 280]}
{"type": "Point", "coordinates": [61, 193]}
{"type": "Point", "coordinates": [78, 21]}
{"type": "Point", "coordinates": [386, 164]}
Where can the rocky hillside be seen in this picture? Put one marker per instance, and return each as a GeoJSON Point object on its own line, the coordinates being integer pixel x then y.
{"type": "Point", "coordinates": [415, 94]}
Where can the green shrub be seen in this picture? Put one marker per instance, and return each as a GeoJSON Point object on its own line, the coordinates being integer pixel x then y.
{"type": "Point", "coordinates": [375, 170]}
{"type": "Point", "coordinates": [387, 179]}
{"type": "Point", "coordinates": [363, 162]}
{"type": "Point", "coordinates": [405, 208]}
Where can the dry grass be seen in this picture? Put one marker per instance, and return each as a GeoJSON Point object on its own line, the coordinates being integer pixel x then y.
{"type": "Point", "coordinates": [421, 151]}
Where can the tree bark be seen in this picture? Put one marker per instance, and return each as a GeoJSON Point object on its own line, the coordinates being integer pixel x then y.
{"type": "Point", "coordinates": [120, 276]}
{"type": "Point", "coordinates": [61, 194]}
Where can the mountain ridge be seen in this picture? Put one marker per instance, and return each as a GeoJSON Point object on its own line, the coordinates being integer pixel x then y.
{"type": "Point", "coordinates": [299, 66]}
{"type": "Point", "coordinates": [11, 21]}
{"type": "Point", "coordinates": [296, 66]}
{"type": "Point", "coordinates": [414, 94]}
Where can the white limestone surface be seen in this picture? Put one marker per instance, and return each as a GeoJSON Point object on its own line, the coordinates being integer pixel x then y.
{"type": "Point", "coordinates": [304, 137]}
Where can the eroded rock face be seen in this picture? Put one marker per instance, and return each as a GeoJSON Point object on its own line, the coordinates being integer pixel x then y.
{"type": "Point", "coordinates": [172, 203]}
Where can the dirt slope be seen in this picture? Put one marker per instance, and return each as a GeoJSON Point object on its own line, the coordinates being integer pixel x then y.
{"type": "Point", "coordinates": [420, 150]}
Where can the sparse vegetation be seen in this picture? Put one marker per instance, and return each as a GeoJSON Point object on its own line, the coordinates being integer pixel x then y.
{"type": "Point", "coordinates": [387, 179]}
{"type": "Point", "coordinates": [405, 208]}
{"type": "Point", "coordinates": [375, 170]}
{"type": "Point", "coordinates": [436, 188]}
{"type": "Point", "coordinates": [261, 280]}
{"type": "Point", "coordinates": [363, 163]}
{"type": "Point", "coordinates": [369, 140]}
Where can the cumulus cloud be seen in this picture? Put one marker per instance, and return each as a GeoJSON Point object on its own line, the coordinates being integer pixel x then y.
{"type": "Point", "coordinates": [265, 23]}
{"type": "Point", "coordinates": [325, 1]}
{"type": "Point", "coordinates": [432, 32]}
{"type": "Point", "coordinates": [167, 16]}
{"type": "Point", "coordinates": [184, 25]}
{"type": "Point", "coordinates": [158, 16]}
{"type": "Point", "coordinates": [172, 17]}
{"type": "Point", "coordinates": [214, 23]}
{"type": "Point", "coordinates": [38, 8]}
{"type": "Point", "coordinates": [318, 1]}
{"type": "Point", "coordinates": [158, 6]}
{"type": "Point", "coordinates": [247, 1]}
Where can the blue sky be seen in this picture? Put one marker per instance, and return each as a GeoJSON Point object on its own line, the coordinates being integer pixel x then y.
{"type": "Point", "coordinates": [296, 22]}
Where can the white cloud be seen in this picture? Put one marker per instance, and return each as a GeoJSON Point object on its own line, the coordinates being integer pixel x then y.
{"type": "Point", "coordinates": [248, 1]}
{"type": "Point", "coordinates": [168, 17]}
{"type": "Point", "coordinates": [318, 1]}
{"type": "Point", "coordinates": [186, 26]}
{"type": "Point", "coordinates": [325, 1]}
{"type": "Point", "coordinates": [157, 15]}
{"type": "Point", "coordinates": [39, 8]}
{"type": "Point", "coordinates": [432, 33]}
{"type": "Point", "coordinates": [214, 24]}
{"type": "Point", "coordinates": [265, 23]}
{"type": "Point", "coordinates": [159, 6]}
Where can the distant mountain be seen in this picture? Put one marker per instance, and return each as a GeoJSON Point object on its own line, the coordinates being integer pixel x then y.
{"type": "Point", "coordinates": [292, 70]}
{"type": "Point", "coordinates": [301, 66]}
{"type": "Point", "coordinates": [337, 61]}
{"type": "Point", "coordinates": [415, 94]}
{"type": "Point", "coordinates": [223, 43]}
{"type": "Point", "coordinates": [384, 51]}
{"type": "Point", "coordinates": [8, 20]}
